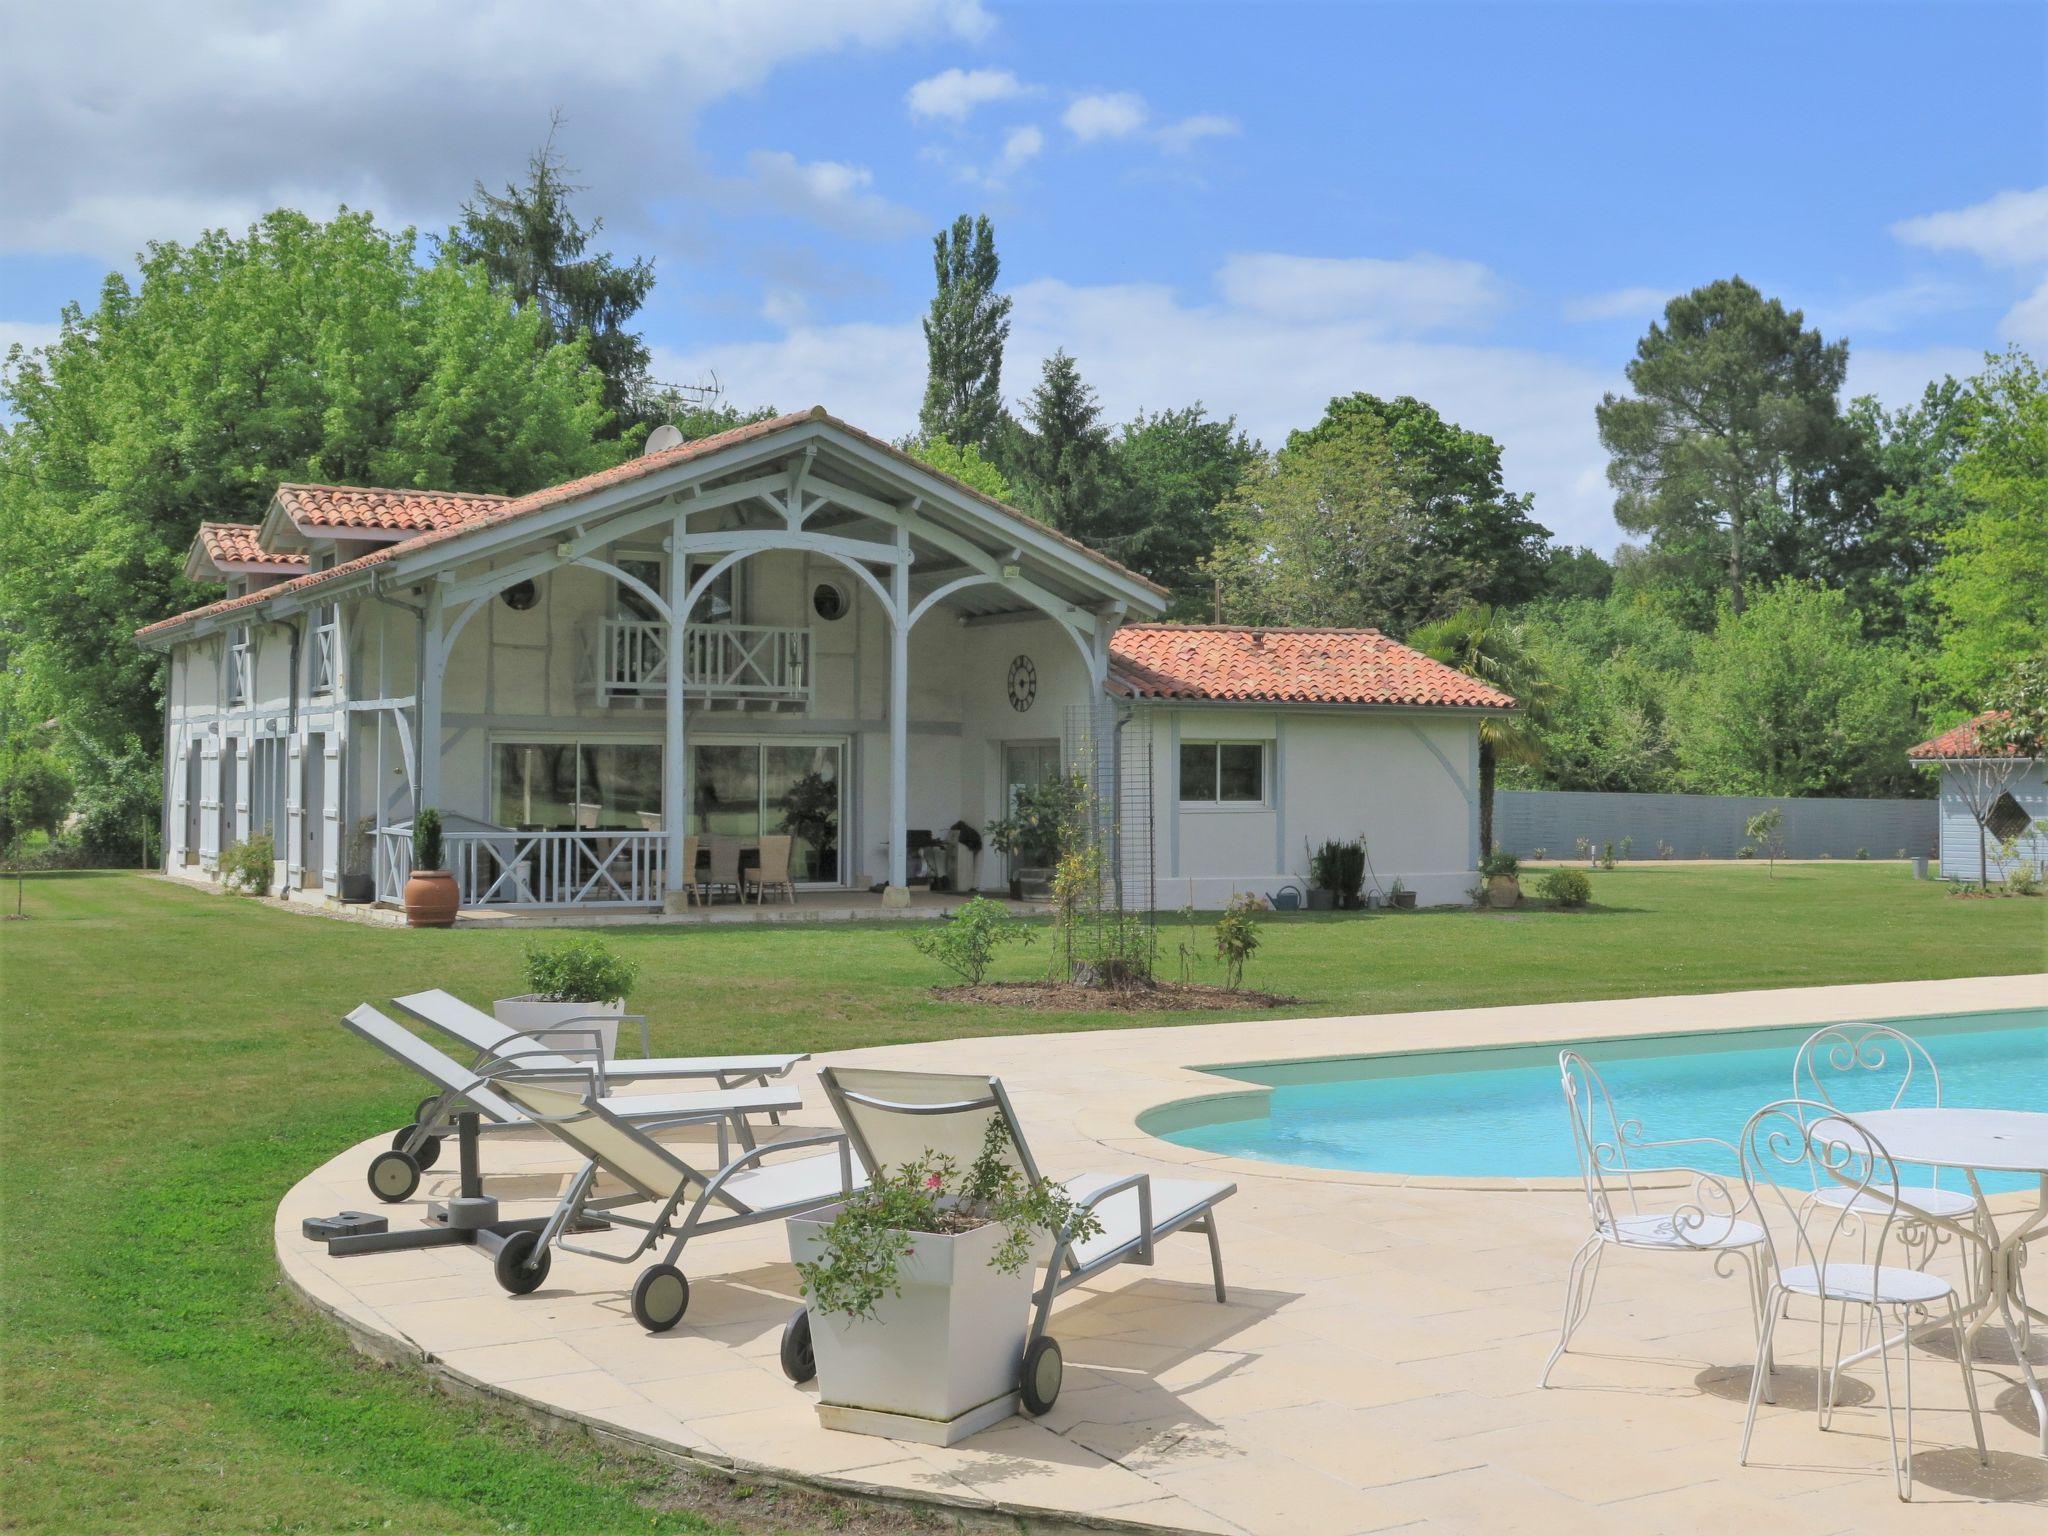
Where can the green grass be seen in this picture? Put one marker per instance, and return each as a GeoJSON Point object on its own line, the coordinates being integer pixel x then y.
{"type": "Point", "coordinates": [171, 1065]}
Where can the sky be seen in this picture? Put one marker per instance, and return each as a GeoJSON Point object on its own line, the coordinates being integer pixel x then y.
{"type": "Point", "coordinates": [1254, 205]}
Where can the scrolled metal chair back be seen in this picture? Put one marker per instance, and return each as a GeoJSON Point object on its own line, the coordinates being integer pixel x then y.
{"type": "Point", "coordinates": [1790, 1147]}
{"type": "Point", "coordinates": [1887, 1064]}
{"type": "Point", "coordinates": [1601, 1139]}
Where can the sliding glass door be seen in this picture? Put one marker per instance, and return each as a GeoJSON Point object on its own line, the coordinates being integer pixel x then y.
{"type": "Point", "coordinates": [746, 788]}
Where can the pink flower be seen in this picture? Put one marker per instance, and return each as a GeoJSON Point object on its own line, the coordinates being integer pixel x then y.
{"type": "Point", "coordinates": [933, 1181]}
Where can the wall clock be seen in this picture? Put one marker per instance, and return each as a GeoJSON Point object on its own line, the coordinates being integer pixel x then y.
{"type": "Point", "coordinates": [1023, 684]}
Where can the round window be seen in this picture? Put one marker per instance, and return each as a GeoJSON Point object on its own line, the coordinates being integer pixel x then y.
{"type": "Point", "coordinates": [829, 600]}
{"type": "Point", "coordinates": [519, 596]}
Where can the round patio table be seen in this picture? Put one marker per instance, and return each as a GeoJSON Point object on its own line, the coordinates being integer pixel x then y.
{"type": "Point", "coordinates": [1983, 1141]}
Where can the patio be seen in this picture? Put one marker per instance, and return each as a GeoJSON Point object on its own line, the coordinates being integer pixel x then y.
{"type": "Point", "coordinates": [1375, 1367]}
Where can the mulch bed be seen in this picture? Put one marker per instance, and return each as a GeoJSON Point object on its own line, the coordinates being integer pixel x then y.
{"type": "Point", "coordinates": [1165, 996]}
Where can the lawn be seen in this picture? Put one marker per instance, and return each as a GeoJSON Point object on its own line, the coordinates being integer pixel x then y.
{"type": "Point", "coordinates": [172, 1065]}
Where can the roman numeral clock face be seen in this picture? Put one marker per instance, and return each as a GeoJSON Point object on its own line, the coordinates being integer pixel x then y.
{"type": "Point", "coordinates": [1023, 684]}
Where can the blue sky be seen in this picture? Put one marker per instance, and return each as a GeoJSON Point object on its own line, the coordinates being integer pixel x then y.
{"type": "Point", "coordinates": [1254, 205]}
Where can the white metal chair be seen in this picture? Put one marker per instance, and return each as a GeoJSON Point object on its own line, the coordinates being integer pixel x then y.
{"type": "Point", "coordinates": [1804, 1142]}
{"type": "Point", "coordinates": [1853, 1067]}
{"type": "Point", "coordinates": [1704, 1213]}
{"type": "Point", "coordinates": [772, 873]}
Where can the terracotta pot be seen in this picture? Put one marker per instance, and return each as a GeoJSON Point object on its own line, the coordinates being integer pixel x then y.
{"type": "Point", "coordinates": [1502, 890]}
{"type": "Point", "coordinates": [431, 899]}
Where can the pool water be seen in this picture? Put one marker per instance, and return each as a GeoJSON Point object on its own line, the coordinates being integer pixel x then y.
{"type": "Point", "coordinates": [1500, 1112]}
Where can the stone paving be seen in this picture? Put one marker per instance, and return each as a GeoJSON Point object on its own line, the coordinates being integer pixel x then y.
{"type": "Point", "coordinates": [1374, 1369]}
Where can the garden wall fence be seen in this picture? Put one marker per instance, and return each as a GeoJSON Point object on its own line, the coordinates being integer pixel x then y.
{"type": "Point", "coordinates": [1709, 826]}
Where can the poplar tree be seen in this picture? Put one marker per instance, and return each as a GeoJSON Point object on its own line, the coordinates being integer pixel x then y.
{"type": "Point", "coordinates": [964, 333]}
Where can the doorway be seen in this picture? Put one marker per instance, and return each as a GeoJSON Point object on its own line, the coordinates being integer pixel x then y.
{"type": "Point", "coordinates": [1026, 765]}
{"type": "Point", "coordinates": [743, 789]}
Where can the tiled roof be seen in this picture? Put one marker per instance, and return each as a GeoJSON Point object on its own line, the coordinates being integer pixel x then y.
{"type": "Point", "coordinates": [230, 544]}
{"type": "Point", "coordinates": [1287, 666]}
{"type": "Point", "coordinates": [499, 510]}
{"type": "Point", "coordinates": [1960, 741]}
{"type": "Point", "coordinates": [376, 509]}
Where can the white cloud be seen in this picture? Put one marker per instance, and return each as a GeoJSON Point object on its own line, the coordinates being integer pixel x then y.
{"type": "Point", "coordinates": [1116, 115]}
{"type": "Point", "coordinates": [829, 193]}
{"type": "Point", "coordinates": [1020, 146]}
{"type": "Point", "coordinates": [2027, 322]}
{"type": "Point", "coordinates": [1143, 345]}
{"type": "Point", "coordinates": [133, 120]}
{"type": "Point", "coordinates": [1893, 308]}
{"type": "Point", "coordinates": [1178, 138]}
{"type": "Point", "coordinates": [953, 94]}
{"type": "Point", "coordinates": [1897, 376]}
{"type": "Point", "coordinates": [2010, 229]}
{"type": "Point", "coordinates": [1418, 293]}
{"type": "Point", "coordinates": [28, 334]}
{"type": "Point", "coordinates": [1619, 304]}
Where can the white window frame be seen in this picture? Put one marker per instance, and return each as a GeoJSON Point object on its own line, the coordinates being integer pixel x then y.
{"type": "Point", "coordinates": [241, 662]}
{"type": "Point", "coordinates": [1215, 746]}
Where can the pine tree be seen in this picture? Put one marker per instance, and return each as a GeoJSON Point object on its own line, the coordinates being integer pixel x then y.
{"type": "Point", "coordinates": [530, 243]}
{"type": "Point", "coordinates": [964, 335]}
{"type": "Point", "coordinates": [1064, 463]}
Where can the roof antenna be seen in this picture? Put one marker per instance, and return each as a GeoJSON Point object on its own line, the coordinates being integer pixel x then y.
{"type": "Point", "coordinates": [673, 400]}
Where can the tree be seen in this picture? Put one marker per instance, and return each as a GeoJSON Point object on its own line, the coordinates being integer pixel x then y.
{"type": "Point", "coordinates": [1615, 668]}
{"type": "Point", "coordinates": [965, 465]}
{"type": "Point", "coordinates": [1731, 434]}
{"type": "Point", "coordinates": [530, 243]}
{"type": "Point", "coordinates": [964, 333]}
{"type": "Point", "coordinates": [1486, 643]}
{"type": "Point", "coordinates": [1990, 585]}
{"type": "Point", "coordinates": [1176, 469]}
{"type": "Point", "coordinates": [297, 351]}
{"type": "Point", "coordinates": [1900, 501]}
{"type": "Point", "coordinates": [1789, 698]}
{"type": "Point", "coordinates": [695, 419]}
{"type": "Point", "coordinates": [1064, 470]}
{"type": "Point", "coordinates": [1574, 570]}
{"type": "Point", "coordinates": [1325, 535]}
{"type": "Point", "coordinates": [1452, 475]}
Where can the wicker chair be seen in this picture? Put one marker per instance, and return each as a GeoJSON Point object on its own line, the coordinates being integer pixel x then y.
{"type": "Point", "coordinates": [772, 873]}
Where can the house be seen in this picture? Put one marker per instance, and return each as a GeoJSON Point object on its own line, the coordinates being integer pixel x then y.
{"type": "Point", "coordinates": [1986, 798]}
{"type": "Point", "coordinates": [870, 652]}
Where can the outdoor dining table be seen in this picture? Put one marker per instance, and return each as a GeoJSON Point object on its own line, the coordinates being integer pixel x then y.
{"type": "Point", "coordinates": [1982, 1141]}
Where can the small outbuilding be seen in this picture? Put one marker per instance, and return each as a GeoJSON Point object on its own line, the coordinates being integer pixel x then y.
{"type": "Point", "coordinates": [1990, 797]}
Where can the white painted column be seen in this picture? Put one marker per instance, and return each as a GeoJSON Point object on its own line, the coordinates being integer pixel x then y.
{"type": "Point", "coordinates": [899, 723]}
{"type": "Point", "coordinates": [433, 662]}
{"type": "Point", "coordinates": [675, 745]}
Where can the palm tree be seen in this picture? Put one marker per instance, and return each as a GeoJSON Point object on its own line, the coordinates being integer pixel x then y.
{"type": "Point", "coordinates": [1484, 642]}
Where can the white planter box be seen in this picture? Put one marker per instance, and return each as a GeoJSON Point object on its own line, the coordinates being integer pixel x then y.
{"type": "Point", "coordinates": [537, 1016]}
{"type": "Point", "coordinates": [937, 1362]}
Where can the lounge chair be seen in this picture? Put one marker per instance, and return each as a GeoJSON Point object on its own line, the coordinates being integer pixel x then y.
{"type": "Point", "coordinates": [896, 1117]}
{"type": "Point", "coordinates": [743, 1190]}
{"type": "Point", "coordinates": [395, 1173]}
{"type": "Point", "coordinates": [482, 1033]}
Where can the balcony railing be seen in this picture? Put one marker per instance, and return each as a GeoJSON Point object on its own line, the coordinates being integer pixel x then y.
{"type": "Point", "coordinates": [720, 661]}
{"type": "Point", "coordinates": [536, 869]}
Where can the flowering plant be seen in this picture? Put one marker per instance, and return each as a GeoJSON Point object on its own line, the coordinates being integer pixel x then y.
{"type": "Point", "coordinates": [877, 1228]}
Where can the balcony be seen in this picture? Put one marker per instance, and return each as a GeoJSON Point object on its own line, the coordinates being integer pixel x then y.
{"type": "Point", "coordinates": [748, 663]}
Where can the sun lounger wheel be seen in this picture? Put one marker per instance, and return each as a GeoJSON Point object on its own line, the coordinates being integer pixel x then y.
{"type": "Point", "coordinates": [426, 1154]}
{"type": "Point", "coordinates": [393, 1175]}
{"type": "Point", "coordinates": [799, 1363]}
{"type": "Point", "coordinates": [660, 1297]}
{"type": "Point", "coordinates": [519, 1268]}
{"type": "Point", "coordinates": [1044, 1370]}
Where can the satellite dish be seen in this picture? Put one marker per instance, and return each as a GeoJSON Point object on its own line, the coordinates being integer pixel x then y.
{"type": "Point", "coordinates": [663, 438]}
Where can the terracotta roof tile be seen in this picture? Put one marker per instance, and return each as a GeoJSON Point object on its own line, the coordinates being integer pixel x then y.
{"type": "Point", "coordinates": [494, 511]}
{"type": "Point", "coordinates": [231, 544]}
{"type": "Point", "coordinates": [1287, 666]}
{"type": "Point", "coordinates": [1959, 741]}
{"type": "Point", "coordinates": [376, 509]}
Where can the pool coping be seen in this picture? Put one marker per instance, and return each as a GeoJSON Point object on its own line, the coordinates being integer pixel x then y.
{"type": "Point", "coordinates": [1830, 1009]}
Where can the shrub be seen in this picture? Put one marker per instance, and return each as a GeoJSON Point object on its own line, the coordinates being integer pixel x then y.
{"type": "Point", "coordinates": [1498, 863]}
{"type": "Point", "coordinates": [1048, 819]}
{"type": "Point", "coordinates": [1237, 937]}
{"type": "Point", "coordinates": [426, 840]}
{"type": "Point", "coordinates": [1664, 849]}
{"type": "Point", "coordinates": [1339, 868]}
{"type": "Point", "coordinates": [874, 1230]}
{"type": "Point", "coordinates": [1627, 847]}
{"type": "Point", "coordinates": [1565, 888]}
{"type": "Point", "coordinates": [1862, 853]}
{"type": "Point", "coordinates": [966, 941]}
{"type": "Point", "coordinates": [579, 970]}
{"type": "Point", "coordinates": [1539, 853]}
{"type": "Point", "coordinates": [1607, 856]}
{"type": "Point", "coordinates": [248, 866]}
{"type": "Point", "coordinates": [1745, 852]}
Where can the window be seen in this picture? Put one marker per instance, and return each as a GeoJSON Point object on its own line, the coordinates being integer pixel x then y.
{"type": "Point", "coordinates": [585, 786]}
{"type": "Point", "coordinates": [829, 600]}
{"type": "Point", "coordinates": [238, 666]}
{"type": "Point", "coordinates": [1223, 773]}
{"type": "Point", "coordinates": [648, 569]}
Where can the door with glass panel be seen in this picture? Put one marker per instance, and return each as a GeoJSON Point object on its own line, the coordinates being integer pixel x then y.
{"type": "Point", "coordinates": [744, 789]}
{"type": "Point", "coordinates": [1026, 765]}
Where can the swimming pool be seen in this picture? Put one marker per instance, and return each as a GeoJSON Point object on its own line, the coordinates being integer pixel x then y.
{"type": "Point", "coordinates": [1499, 1113]}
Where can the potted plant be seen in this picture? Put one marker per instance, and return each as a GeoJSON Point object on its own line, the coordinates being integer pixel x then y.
{"type": "Point", "coordinates": [1322, 877]}
{"type": "Point", "coordinates": [967, 839]}
{"type": "Point", "coordinates": [431, 898]}
{"type": "Point", "coordinates": [1036, 830]}
{"type": "Point", "coordinates": [577, 987]}
{"type": "Point", "coordinates": [1399, 897]}
{"type": "Point", "coordinates": [917, 1296]}
{"type": "Point", "coordinates": [1503, 878]}
{"type": "Point", "coordinates": [358, 873]}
